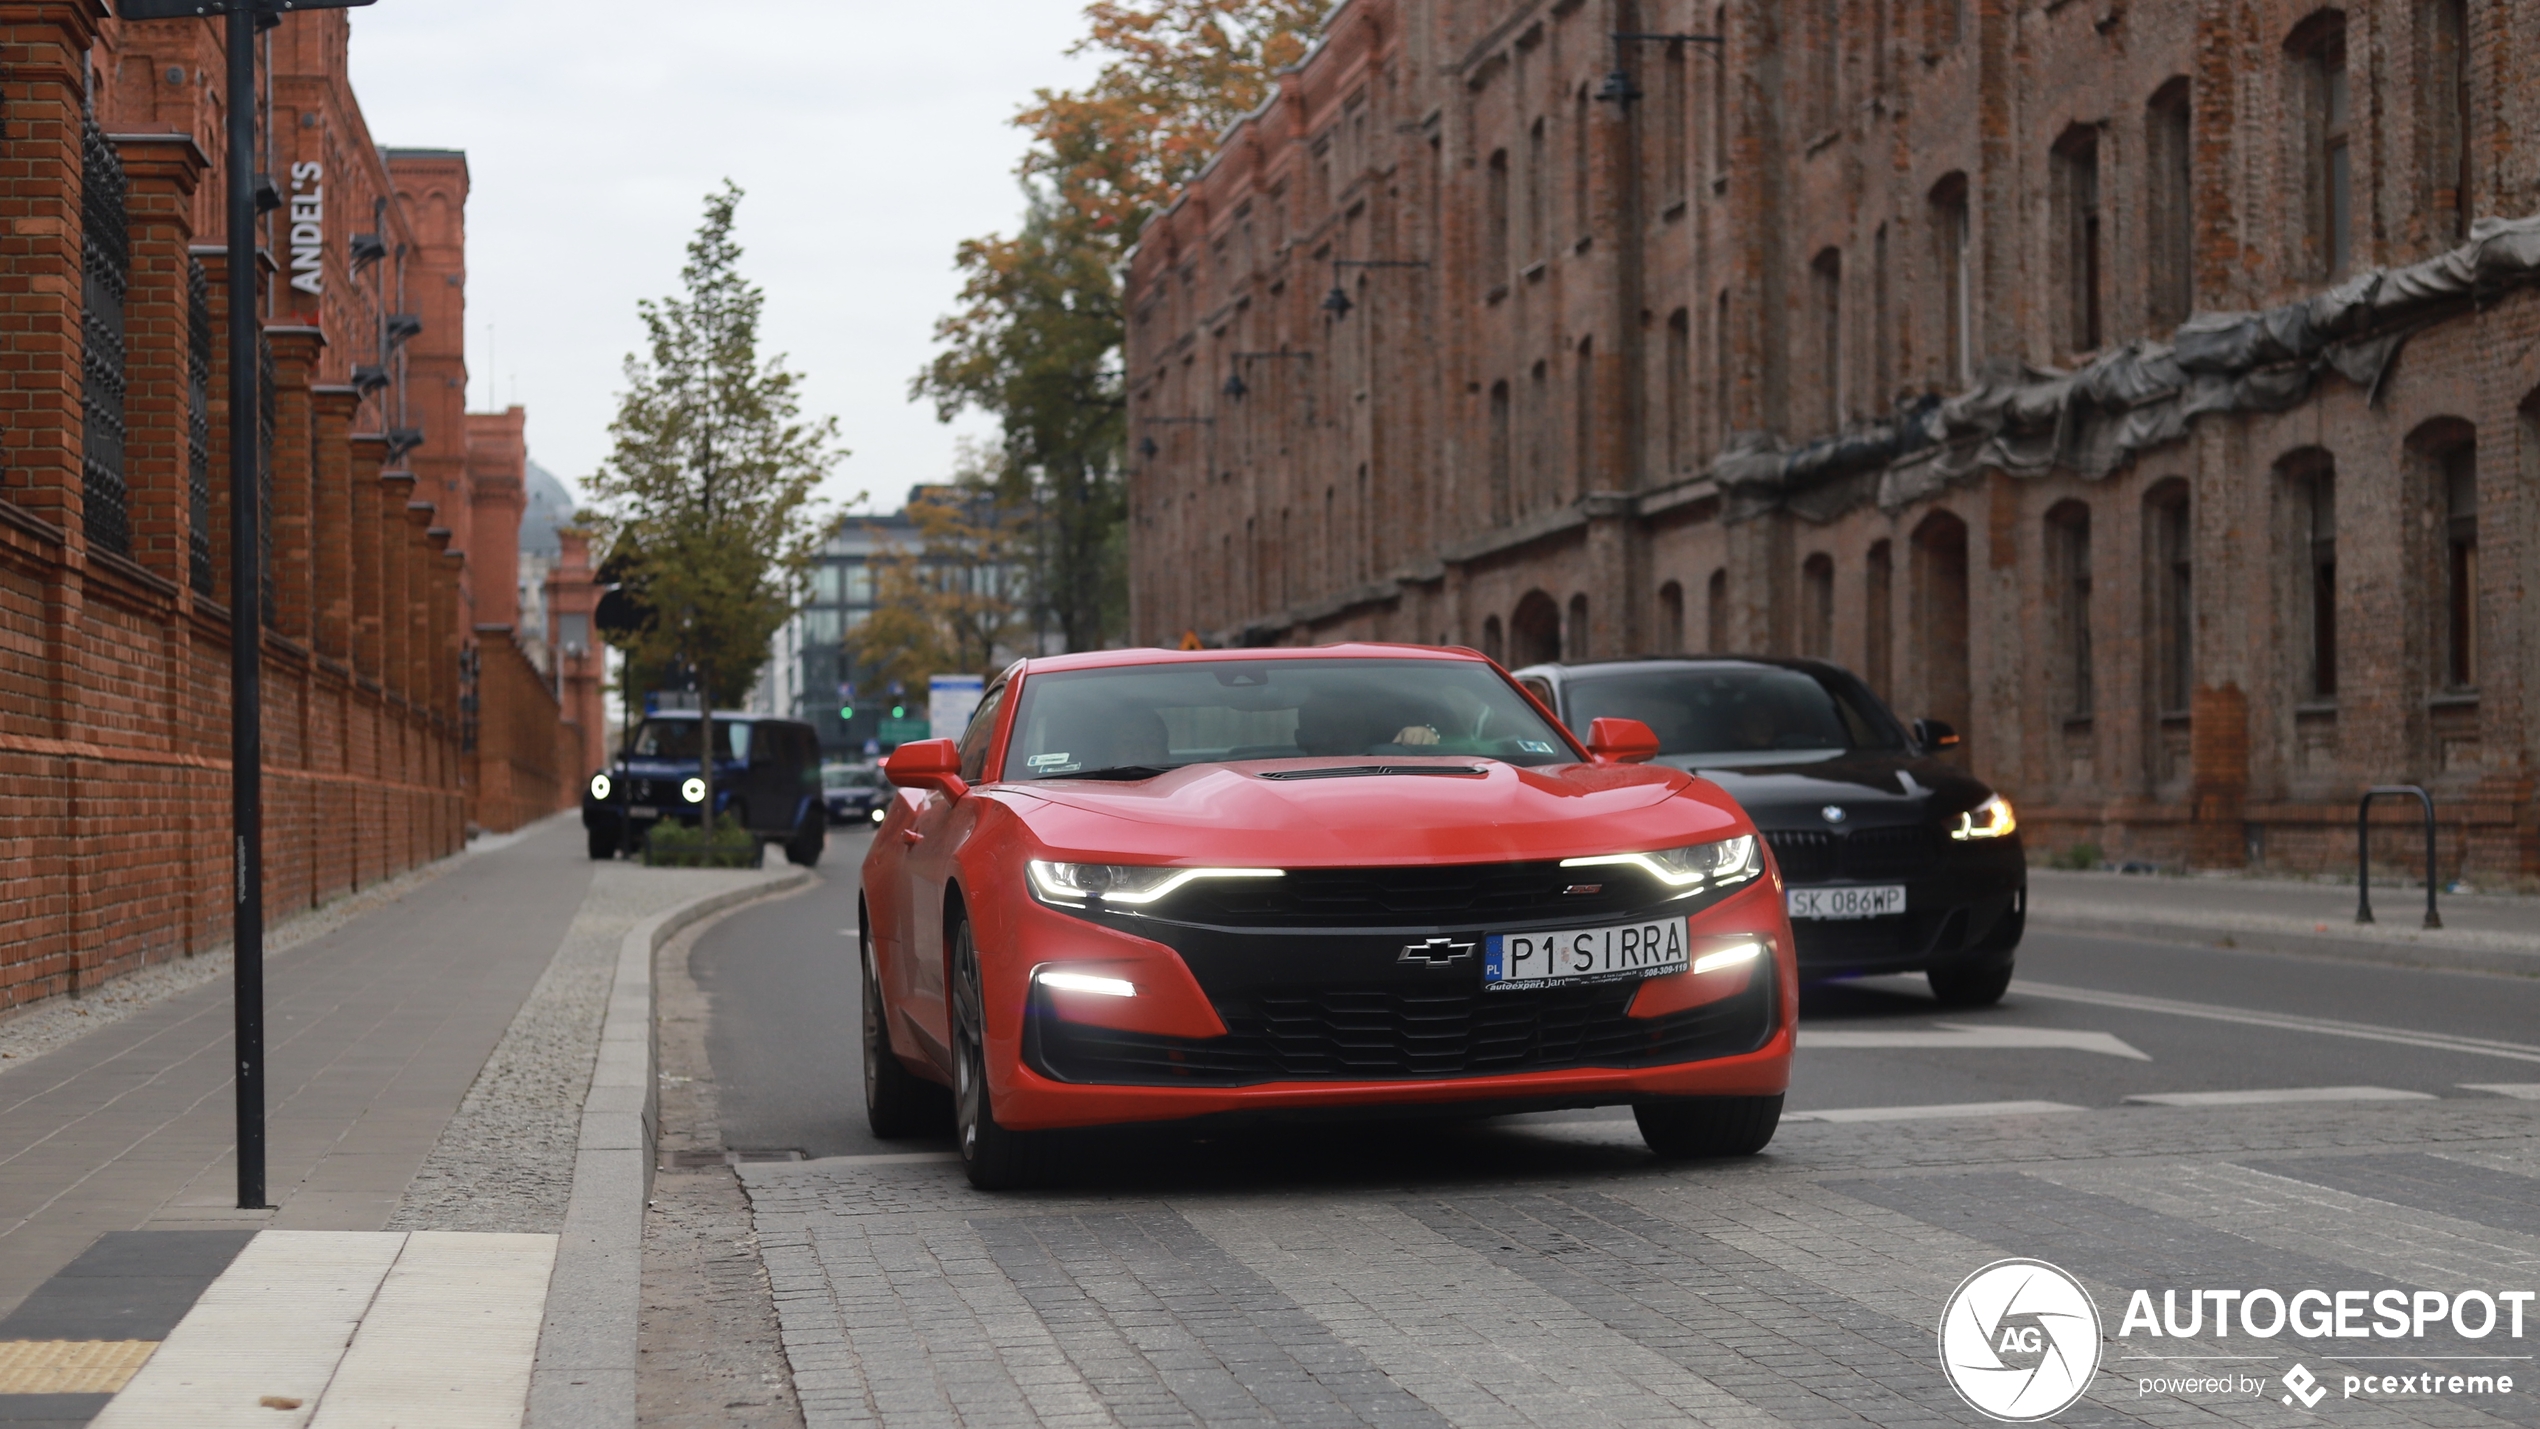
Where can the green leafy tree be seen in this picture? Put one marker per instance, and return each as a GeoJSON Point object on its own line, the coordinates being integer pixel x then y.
{"type": "Point", "coordinates": [1036, 342]}
{"type": "Point", "coordinates": [948, 601]}
{"type": "Point", "coordinates": [705, 501]}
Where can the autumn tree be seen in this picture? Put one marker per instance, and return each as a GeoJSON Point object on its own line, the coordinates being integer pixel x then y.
{"type": "Point", "coordinates": [1036, 342]}
{"type": "Point", "coordinates": [952, 598]}
{"type": "Point", "coordinates": [705, 501]}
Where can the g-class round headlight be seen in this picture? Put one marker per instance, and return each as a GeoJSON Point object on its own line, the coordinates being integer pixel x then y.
{"type": "Point", "coordinates": [694, 791]}
{"type": "Point", "coordinates": [600, 787]}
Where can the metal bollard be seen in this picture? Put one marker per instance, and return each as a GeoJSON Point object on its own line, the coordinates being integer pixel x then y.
{"type": "Point", "coordinates": [2363, 851]}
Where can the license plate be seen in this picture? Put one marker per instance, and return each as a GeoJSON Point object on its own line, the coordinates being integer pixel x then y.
{"type": "Point", "coordinates": [643, 811]}
{"type": "Point", "coordinates": [1875, 902]}
{"type": "Point", "coordinates": [1632, 950]}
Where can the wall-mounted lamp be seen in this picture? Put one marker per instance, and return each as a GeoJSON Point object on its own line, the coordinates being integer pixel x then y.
{"type": "Point", "coordinates": [1236, 388]}
{"type": "Point", "coordinates": [1618, 87]}
{"type": "Point", "coordinates": [368, 248]}
{"type": "Point", "coordinates": [368, 379]}
{"type": "Point", "coordinates": [1336, 302]}
{"type": "Point", "coordinates": [402, 440]}
{"type": "Point", "coordinates": [402, 326]}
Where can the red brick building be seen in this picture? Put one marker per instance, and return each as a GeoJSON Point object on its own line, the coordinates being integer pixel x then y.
{"type": "Point", "coordinates": [387, 534]}
{"type": "Point", "coordinates": [2140, 387]}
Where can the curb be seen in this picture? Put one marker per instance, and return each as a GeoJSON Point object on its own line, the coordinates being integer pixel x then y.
{"type": "Point", "coordinates": [585, 1373]}
{"type": "Point", "coordinates": [2406, 950]}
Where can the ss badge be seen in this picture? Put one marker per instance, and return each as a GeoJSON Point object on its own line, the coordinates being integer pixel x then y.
{"type": "Point", "coordinates": [1436, 952]}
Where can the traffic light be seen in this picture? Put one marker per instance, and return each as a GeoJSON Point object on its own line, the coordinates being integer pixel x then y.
{"type": "Point", "coordinates": [846, 712]}
{"type": "Point", "coordinates": [899, 711]}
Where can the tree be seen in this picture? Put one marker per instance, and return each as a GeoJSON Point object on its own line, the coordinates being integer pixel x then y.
{"type": "Point", "coordinates": [705, 502]}
{"type": "Point", "coordinates": [949, 602]}
{"type": "Point", "coordinates": [1036, 342]}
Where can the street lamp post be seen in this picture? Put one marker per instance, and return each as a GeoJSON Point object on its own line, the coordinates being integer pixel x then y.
{"type": "Point", "coordinates": [246, 615]}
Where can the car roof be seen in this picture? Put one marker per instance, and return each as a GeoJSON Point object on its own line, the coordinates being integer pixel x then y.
{"type": "Point", "coordinates": [1679, 662]}
{"type": "Point", "coordinates": [1352, 650]}
{"type": "Point", "coordinates": [729, 717]}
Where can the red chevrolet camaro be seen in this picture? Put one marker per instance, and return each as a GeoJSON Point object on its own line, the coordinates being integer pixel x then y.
{"type": "Point", "coordinates": [1150, 887]}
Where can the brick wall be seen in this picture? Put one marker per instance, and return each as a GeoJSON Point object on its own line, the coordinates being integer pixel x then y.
{"type": "Point", "coordinates": [1532, 445]}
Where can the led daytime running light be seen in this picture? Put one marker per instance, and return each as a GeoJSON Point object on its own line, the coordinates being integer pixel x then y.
{"type": "Point", "coordinates": [1047, 882]}
{"type": "Point", "coordinates": [1745, 952]}
{"type": "Point", "coordinates": [1991, 819]}
{"type": "Point", "coordinates": [1086, 982]}
{"type": "Point", "coordinates": [1734, 862]}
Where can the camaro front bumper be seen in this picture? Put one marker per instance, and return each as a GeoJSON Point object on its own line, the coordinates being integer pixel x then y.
{"type": "Point", "coordinates": [1187, 1056]}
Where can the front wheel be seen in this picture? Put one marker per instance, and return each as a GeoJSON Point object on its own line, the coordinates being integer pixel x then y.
{"type": "Point", "coordinates": [810, 839]}
{"type": "Point", "coordinates": [1690, 1127]}
{"type": "Point", "coordinates": [604, 842]}
{"type": "Point", "coordinates": [995, 1158]}
{"type": "Point", "coordinates": [897, 1102]}
{"type": "Point", "coordinates": [1970, 987]}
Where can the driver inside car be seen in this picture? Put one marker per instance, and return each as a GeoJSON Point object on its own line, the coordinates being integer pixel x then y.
{"type": "Point", "coordinates": [1334, 725]}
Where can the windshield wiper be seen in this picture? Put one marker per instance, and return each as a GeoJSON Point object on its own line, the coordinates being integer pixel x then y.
{"type": "Point", "coordinates": [1116, 771]}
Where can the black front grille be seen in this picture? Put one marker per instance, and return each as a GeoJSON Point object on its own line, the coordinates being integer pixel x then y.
{"type": "Point", "coordinates": [1422, 896]}
{"type": "Point", "coordinates": [1391, 1034]}
{"type": "Point", "coordinates": [1819, 855]}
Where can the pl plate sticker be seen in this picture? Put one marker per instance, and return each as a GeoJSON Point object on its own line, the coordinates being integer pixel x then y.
{"type": "Point", "coordinates": [2020, 1341]}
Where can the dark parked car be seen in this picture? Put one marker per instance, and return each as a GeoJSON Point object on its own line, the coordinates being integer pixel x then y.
{"type": "Point", "coordinates": [1894, 860]}
{"type": "Point", "coordinates": [766, 774]}
{"type": "Point", "coordinates": [855, 793]}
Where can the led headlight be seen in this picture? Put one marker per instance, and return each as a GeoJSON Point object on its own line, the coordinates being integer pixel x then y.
{"type": "Point", "coordinates": [1724, 863]}
{"type": "Point", "coordinates": [694, 791]}
{"type": "Point", "coordinates": [1121, 885]}
{"type": "Point", "coordinates": [1989, 820]}
{"type": "Point", "coordinates": [600, 787]}
{"type": "Point", "coordinates": [877, 816]}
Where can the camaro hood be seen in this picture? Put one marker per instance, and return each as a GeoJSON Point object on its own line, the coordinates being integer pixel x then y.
{"type": "Point", "coordinates": [1873, 791]}
{"type": "Point", "coordinates": [1230, 814]}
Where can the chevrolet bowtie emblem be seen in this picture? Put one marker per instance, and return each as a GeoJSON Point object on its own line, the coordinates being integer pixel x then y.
{"type": "Point", "coordinates": [1436, 952]}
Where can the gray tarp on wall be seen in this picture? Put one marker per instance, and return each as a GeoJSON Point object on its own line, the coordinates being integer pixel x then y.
{"type": "Point", "coordinates": [2137, 397]}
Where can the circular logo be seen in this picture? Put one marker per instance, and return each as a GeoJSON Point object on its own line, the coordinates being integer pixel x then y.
{"type": "Point", "coordinates": [1833, 813]}
{"type": "Point", "coordinates": [2020, 1341]}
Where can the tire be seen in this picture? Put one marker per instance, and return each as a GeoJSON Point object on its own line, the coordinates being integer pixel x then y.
{"type": "Point", "coordinates": [897, 1102]}
{"type": "Point", "coordinates": [604, 843]}
{"type": "Point", "coordinates": [809, 840]}
{"type": "Point", "coordinates": [994, 1158]}
{"type": "Point", "coordinates": [1970, 987]}
{"type": "Point", "coordinates": [1694, 1127]}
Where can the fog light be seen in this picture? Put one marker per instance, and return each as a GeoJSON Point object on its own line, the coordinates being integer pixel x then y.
{"type": "Point", "coordinates": [600, 787]}
{"type": "Point", "coordinates": [1088, 982]}
{"type": "Point", "coordinates": [694, 791]}
{"type": "Point", "coordinates": [1729, 957]}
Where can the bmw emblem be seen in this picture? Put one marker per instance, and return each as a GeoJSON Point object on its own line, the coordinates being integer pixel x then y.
{"type": "Point", "coordinates": [1833, 812]}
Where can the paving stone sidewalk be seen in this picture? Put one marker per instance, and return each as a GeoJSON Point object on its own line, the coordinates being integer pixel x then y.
{"type": "Point", "coordinates": [1552, 1274]}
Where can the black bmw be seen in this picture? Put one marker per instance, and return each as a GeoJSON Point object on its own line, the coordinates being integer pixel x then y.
{"type": "Point", "coordinates": [1895, 861]}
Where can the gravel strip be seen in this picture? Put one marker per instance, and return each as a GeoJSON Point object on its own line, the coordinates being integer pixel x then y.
{"type": "Point", "coordinates": [505, 1162]}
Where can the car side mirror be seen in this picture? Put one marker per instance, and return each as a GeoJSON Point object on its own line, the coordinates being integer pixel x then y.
{"type": "Point", "coordinates": [1935, 735]}
{"type": "Point", "coordinates": [1621, 741]}
{"type": "Point", "coordinates": [927, 764]}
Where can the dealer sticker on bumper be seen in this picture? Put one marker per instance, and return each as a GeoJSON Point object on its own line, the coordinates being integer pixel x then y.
{"type": "Point", "coordinates": [1515, 960]}
{"type": "Point", "coordinates": [1870, 902]}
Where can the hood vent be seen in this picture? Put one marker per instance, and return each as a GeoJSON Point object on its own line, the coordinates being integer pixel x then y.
{"type": "Point", "coordinates": [1370, 771]}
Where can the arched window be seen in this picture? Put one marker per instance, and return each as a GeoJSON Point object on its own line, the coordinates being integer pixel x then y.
{"type": "Point", "coordinates": [1496, 255]}
{"type": "Point", "coordinates": [1499, 498]}
{"type": "Point", "coordinates": [1534, 631]}
{"type": "Point", "coordinates": [2170, 204]}
{"type": "Point", "coordinates": [1577, 641]}
{"type": "Point", "coordinates": [1825, 298]}
{"type": "Point", "coordinates": [2445, 452]}
{"type": "Point", "coordinates": [2169, 589]}
{"type": "Point", "coordinates": [1939, 618]}
{"type": "Point", "coordinates": [1671, 619]}
{"type": "Point", "coordinates": [2444, 90]}
{"type": "Point", "coordinates": [1493, 642]}
{"type": "Point", "coordinates": [2325, 109]}
{"type": "Point", "coordinates": [1879, 592]}
{"type": "Point", "coordinates": [2309, 479]}
{"type": "Point", "coordinates": [1715, 614]}
{"type": "Point", "coordinates": [2079, 261]}
{"type": "Point", "coordinates": [1679, 380]}
{"type": "Point", "coordinates": [1953, 259]}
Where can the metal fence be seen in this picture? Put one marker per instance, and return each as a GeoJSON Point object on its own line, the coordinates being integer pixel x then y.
{"type": "Point", "coordinates": [106, 276]}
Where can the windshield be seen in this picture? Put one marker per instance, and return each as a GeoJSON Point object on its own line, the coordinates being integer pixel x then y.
{"type": "Point", "coordinates": [677, 739]}
{"type": "Point", "coordinates": [858, 778]}
{"type": "Point", "coordinates": [1739, 713]}
{"type": "Point", "coordinates": [1076, 723]}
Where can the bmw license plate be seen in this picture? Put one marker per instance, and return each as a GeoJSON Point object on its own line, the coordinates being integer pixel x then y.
{"type": "Point", "coordinates": [1632, 950]}
{"type": "Point", "coordinates": [1868, 902]}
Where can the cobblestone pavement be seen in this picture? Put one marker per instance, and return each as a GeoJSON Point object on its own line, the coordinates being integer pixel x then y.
{"type": "Point", "coordinates": [1548, 1272]}
{"type": "Point", "coordinates": [505, 1161]}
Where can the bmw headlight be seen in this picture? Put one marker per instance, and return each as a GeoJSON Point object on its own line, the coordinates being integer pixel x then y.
{"type": "Point", "coordinates": [1989, 820]}
{"type": "Point", "coordinates": [694, 791]}
{"type": "Point", "coordinates": [600, 787]}
{"type": "Point", "coordinates": [1723, 863]}
{"type": "Point", "coordinates": [878, 812]}
{"type": "Point", "coordinates": [1121, 885]}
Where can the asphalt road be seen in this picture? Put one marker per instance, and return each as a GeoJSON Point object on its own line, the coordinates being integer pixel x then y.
{"type": "Point", "coordinates": [2135, 1019]}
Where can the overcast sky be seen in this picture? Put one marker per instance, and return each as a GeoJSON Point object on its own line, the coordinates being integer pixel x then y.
{"type": "Point", "coordinates": [871, 138]}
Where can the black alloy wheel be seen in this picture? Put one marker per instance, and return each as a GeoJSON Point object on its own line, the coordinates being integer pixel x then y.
{"type": "Point", "coordinates": [1969, 987]}
{"type": "Point", "coordinates": [1685, 1128]}
{"type": "Point", "coordinates": [995, 1158]}
{"type": "Point", "coordinates": [897, 1102]}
